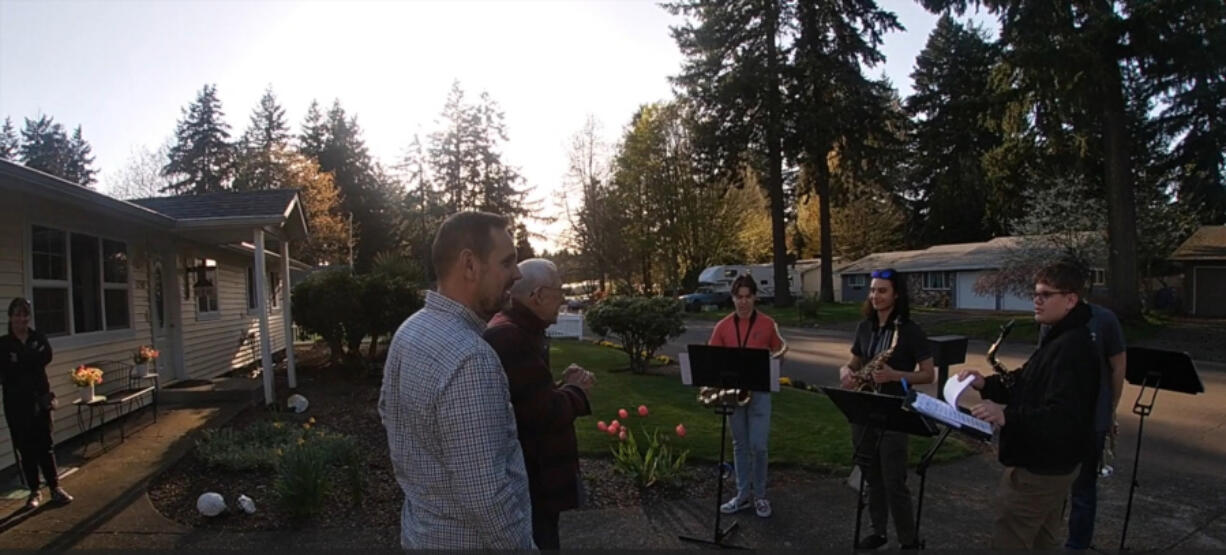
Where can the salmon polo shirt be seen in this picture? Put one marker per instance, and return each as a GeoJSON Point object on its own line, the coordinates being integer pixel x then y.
{"type": "Point", "coordinates": [759, 331]}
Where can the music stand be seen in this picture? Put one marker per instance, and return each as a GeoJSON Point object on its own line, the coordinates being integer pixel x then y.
{"type": "Point", "coordinates": [726, 368]}
{"type": "Point", "coordinates": [875, 411]}
{"type": "Point", "coordinates": [1155, 369]}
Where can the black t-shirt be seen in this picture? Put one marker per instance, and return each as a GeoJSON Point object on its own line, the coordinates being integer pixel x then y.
{"type": "Point", "coordinates": [911, 349]}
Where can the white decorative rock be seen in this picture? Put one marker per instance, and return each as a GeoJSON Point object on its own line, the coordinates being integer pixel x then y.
{"type": "Point", "coordinates": [298, 403]}
{"type": "Point", "coordinates": [246, 504]}
{"type": "Point", "coordinates": [211, 504]}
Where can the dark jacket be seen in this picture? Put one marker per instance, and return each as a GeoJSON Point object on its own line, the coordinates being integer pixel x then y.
{"type": "Point", "coordinates": [544, 412]}
{"type": "Point", "coordinates": [1049, 420]}
{"type": "Point", "coordinates": [27, 392]}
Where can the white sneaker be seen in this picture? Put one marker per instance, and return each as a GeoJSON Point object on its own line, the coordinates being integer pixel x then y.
{"type": "Point", "coordinates": [734, 505]}
{"type": "Point", "coordinates": [762, 507]}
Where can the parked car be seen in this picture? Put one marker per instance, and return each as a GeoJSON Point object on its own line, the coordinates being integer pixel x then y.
{"type": "Point", "coordinates": [706, 296]}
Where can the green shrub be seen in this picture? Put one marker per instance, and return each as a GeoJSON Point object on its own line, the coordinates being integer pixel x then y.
{"type": "Point", "coordinates": [656, 464]}
{"type": "Point", "coordinates": [643, 324]}
{"type": "Point", "coordinates": [252, 448]}
{"type": "Point", "coordinates": [302, 480]}
{"type": "Point", "coordinates": [809, 307]}
{"type": "Point", "coordinates": [323, 301]}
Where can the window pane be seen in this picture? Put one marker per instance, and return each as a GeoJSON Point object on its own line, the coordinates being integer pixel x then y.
{"type": "Point", "coordinates": [116, 309]}
{"type": "Point", "coordinates": [51, 310]}
{"type": "Point", "coordinates": [50, 253]}
{"type": "Point", "coordinates": [115, 260]}
{"type": "Point", "coordinates": [159, 302]}
{"type": "Point", "coordinates": [86, 284]}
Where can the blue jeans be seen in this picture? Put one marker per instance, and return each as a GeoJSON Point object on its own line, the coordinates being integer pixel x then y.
{"type": "Point", "coordinates": [1084, 498]}
{"type": "Point", "coordinates": [751, 426]}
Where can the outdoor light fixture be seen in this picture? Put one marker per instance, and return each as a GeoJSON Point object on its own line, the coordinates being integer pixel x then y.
{"type": "Point", "coordinates": [203, 287]}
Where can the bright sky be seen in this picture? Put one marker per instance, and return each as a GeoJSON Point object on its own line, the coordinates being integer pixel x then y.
{"type": "Point", "coordinates": [123, 70]}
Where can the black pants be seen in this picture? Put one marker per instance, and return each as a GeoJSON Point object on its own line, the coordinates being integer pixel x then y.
{"type": "Point", "coordinates": [545, 530]}
{"type": "Point", "coordinates": [885, 477]}
{"type": "Point", "coordinates": [32, 437]}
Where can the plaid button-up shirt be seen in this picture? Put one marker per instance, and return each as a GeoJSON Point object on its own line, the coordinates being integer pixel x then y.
{"type": "Point", "coordinates": [451, 432]}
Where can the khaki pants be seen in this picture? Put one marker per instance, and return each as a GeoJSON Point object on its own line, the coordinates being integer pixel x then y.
{"type": "Point", "coordinates": [1029, 509]}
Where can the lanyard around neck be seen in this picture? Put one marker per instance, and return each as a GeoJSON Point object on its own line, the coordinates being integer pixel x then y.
{"type": "Point", "coordinates": [736, 321]}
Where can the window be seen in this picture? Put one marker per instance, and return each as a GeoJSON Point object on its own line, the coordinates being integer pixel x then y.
{"type": "Point", "coordinates": [204, 285]}
{"type": "Point", "coordinates": [857, 280]}
{"type": "Point", "coordinates": [936, 280]}
{"type": "Point", "coordinates": [1098, 276]}
{"type": "Point", "coordinates": [80, 282]}
{"type": "Point", "coordinates": [729, 273]}
{"type": "Point", "coordinates": [274, 289]}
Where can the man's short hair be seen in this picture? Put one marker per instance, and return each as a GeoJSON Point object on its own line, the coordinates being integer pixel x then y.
{"type": "Point", "coordinates": [1064, 276]}
{"type": "Point", "coordinates": [744, 280]}
{"type": "Point", "coordinates": [464, 230]}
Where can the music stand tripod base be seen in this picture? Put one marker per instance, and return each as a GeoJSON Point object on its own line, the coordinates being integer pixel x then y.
{"type": "Point", "coordinates": [717, 538]}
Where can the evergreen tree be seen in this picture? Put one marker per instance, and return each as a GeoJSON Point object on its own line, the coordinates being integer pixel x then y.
{"type": "Point", "coordinates": [9, 143]}
{"type": "Point", "coordinates": [733, 73]}
{"type": "Point", "coordinates": [951, 107]}
{"type": "Point", "coordinates": [202, 158]}
{"type": "Point", "coordinates": [314, 136]}
{"type": "Point", "coordinates": [264, 148]}
{"type": "Point", "coordinates": [46, 146]}
{"type": "Point", "coordinates": [523, 242]}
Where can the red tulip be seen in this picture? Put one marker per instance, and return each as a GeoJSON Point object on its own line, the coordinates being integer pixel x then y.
{"type": "Point", "coordinates": [622, 435]}
{"type": "Point", "coordinates": [621, 413]}
{"type": "Point", "coordinates": [602, 426]}
{"type": "Point", "coordinates": [680, 430]}
{"type": "Point", "coordinates": [611, 431]}
{"type": "Point", "coordinates": [642, 410]}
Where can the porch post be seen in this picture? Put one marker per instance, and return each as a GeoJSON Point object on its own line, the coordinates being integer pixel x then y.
{"type": "Point", "coordinates": [261, 295]}
{"type": "Point", "coordinates": [288, 316]}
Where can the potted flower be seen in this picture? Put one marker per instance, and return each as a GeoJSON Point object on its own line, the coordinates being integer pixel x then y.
{"type": "Point", "coordinates": [86, 377]}
{"type": "Point", "coordinates": [146, 361]}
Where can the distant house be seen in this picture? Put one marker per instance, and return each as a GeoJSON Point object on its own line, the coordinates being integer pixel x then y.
{"type": "Point", "coordinates": [1203, 257]}
{"type": "Point", "coordinates": [183, 274]}
{"type": "Point", "coordinates": [944, 276]}
{"type": "Point", "coordinates": [810, 270]}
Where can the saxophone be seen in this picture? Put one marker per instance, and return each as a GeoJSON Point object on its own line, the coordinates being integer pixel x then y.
{"type": "Point", "coordinates": [864, 376]}
{"type": "Point", "coordinates": [1007, 376]}
{"type": "Point", "coordinates": [714, 396]}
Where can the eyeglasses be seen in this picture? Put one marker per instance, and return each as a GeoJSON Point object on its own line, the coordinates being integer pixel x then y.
{"type": "Point", "coordinates": [1041, 297]}
{"type": "Point", "coordinates": [883, 274]}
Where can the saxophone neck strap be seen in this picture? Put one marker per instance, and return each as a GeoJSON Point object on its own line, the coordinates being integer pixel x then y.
{"type": "Point", "coordinates": [736, 326]}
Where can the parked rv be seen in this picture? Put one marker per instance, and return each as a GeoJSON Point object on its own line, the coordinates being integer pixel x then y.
{"type": "Point", "coordinates": [763, 274]}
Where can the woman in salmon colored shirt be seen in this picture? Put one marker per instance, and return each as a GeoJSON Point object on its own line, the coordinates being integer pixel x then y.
{"type": "Point", "coordinates": [748, 328]}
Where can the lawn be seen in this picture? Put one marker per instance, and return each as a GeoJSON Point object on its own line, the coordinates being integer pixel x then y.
{"type": "Point", "coordinates": [807, 430]}
{"type": "Point", "coordinates": [986, 326]}
{"type": "Point", "coordinates": [827, 313]}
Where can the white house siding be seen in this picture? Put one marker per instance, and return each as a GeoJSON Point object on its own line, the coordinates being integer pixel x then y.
{"type": "Point", "coordinates": [213, 345]}
{"type": "Point", "coordinates": [69, 351]}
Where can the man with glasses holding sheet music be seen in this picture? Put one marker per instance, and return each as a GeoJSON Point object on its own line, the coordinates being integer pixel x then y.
{"type": "Point", "coordinates": [1044, 412]}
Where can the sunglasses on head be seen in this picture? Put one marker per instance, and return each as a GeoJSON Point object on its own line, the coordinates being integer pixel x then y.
{"type": "Point", "coordinates": [883, 274]}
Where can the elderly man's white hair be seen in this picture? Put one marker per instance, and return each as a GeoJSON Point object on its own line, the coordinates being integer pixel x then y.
{"type": "Point", "coordinates": [537, 272]}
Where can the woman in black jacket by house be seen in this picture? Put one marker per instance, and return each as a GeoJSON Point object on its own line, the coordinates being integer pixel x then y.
{"type": "Point", "coordinates": [28, 401]}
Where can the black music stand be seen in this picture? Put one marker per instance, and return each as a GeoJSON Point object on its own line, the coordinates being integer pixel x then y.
{"type": "Point", "coordinates": [726, 368]}
{"type": "Point", "coordinates": [875, 411]}
{"type": "Point", "coordinates": [1155, 369]}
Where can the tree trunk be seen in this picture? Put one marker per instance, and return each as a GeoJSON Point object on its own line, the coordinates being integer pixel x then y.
{"type": "Point", "coordinates": [822, 175]}
{"type": "Point", "coordinates": [774, 155]}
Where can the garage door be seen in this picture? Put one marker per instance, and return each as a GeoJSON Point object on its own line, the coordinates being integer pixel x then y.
{"type": "Point", "coordinates": [1009, 301]}
{"type": "Point", "coordinates": [1210, 292]}
{"type": "Point", "coordinates": [966, 296]}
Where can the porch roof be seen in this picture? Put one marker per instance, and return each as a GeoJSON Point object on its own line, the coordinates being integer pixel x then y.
{"type": "Point", "coordinates": [229, 215]}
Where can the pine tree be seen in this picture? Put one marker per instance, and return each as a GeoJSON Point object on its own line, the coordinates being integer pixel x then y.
{"type": "Point", "coordinates": [9, 143]}
{"type": "Point", "coordinates": [951, 107]}
{"type": "Point", "coordinates": [314, 136]}
{"type": "Point", "coordinates": [523, 242]}
{"type": "Point", "coordinates": [264, 148]}
{"type": "Point", "coordinates": [202, 158]}
{"type": "Point", "coordinates": [46, 146]}
{"type": "Point", "coordinates": [79, 168]}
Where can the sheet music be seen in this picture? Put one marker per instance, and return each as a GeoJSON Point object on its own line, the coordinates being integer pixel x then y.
{"type": "Point", "coordinates": [684, 360]}
{"type": "Point", "coordinates": [954, 388]}
{"type": "Point", "coordinates": [944, 412]}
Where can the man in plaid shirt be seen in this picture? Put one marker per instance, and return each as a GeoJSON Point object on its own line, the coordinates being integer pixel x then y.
{"type": "Point", "coordinates": [445, 403]}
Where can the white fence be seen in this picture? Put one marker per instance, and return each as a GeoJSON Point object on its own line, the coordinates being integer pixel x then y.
{"type": "Point", "coordinates": [568, 325]}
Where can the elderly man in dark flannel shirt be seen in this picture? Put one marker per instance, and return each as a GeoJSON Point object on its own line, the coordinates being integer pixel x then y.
{"type": "Point", "coordinates": [544, 412]}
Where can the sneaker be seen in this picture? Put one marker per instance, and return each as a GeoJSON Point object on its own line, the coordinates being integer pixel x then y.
{"type": "Point", "coordinates": [34, 500]}
{"type": "Point", "coordinates": [60, 496]}
{"type": "Point", "coordinates": [734, 505]}
{"type": "Point", "coordinates": [872, 542]}
{"type": "Point", "coordinates": [762, 507]}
